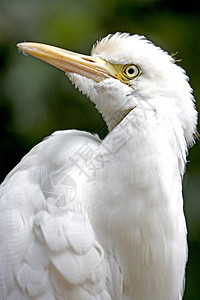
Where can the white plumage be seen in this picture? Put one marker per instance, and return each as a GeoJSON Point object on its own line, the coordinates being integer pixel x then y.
{"type": "Point", "coordinates": [82, 218]}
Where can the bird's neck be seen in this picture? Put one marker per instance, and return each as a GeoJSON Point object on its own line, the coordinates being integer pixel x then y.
{"type": "Point", "coordinates": [138, 203]}
{"type": "Point", "coordinates": [116, 118]}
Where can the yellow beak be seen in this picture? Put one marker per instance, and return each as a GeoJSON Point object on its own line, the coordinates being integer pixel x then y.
{"type": "Point", "coordinates": [89, 66]}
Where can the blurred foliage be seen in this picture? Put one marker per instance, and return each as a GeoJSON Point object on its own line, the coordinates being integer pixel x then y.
{"type": "Point", "coordinates": [36, 99]}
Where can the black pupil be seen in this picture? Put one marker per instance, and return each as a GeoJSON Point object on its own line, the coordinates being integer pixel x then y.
{"type": "Point", "coordinates": [131, 71]}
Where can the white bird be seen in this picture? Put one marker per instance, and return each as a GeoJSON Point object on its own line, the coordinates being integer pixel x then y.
{"type": "Point", "coordinates": [86, 219]}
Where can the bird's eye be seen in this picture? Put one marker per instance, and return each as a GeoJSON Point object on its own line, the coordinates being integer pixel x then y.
{"type": "Point", "coordinates": [130, 71]}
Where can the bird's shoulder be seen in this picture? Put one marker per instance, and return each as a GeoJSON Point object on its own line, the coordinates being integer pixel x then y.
{"type": "Point", "coordinates": [48, 246]}
{"type": "Point", "coordinates": [58, 148]}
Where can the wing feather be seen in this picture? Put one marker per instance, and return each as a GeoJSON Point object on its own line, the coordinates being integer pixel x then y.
{"type": "Point", "coordinates": [48, 247]}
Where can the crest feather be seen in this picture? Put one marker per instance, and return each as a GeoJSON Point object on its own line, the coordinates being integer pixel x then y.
{"type": "Point", "coordinates": [111, 40]}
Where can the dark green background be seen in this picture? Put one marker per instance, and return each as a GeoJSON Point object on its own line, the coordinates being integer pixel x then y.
{"type": "Point", "coordinates": [36, 99]}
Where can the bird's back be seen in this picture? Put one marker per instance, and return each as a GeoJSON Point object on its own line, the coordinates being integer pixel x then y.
{"type": "Point", "coordinates": [48, 247]}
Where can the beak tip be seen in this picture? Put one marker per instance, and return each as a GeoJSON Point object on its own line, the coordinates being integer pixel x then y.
{"type": "Point", "coordinates": [23, 47]}
{"type": "Point", "coordinates": [19, 46]}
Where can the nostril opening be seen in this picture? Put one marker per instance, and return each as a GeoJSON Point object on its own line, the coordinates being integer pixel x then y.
{"type": "Point", "coordinates": [88, 59]}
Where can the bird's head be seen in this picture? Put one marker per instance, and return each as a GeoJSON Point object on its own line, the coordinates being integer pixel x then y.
{"type": "Point", "coordinates": [125, 72]}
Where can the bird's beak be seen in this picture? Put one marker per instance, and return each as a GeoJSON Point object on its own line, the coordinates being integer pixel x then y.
{"type": "Point", "coordinates": [88, 66]}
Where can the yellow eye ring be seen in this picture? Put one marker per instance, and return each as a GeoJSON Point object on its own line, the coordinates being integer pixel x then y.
{"type": "Point", "coordinates": [130, 71]}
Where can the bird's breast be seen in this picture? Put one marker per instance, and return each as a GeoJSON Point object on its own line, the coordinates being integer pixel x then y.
{"type": "Point", "coordinates": [136, 211]}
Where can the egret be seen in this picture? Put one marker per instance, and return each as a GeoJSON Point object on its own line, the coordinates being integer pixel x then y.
{"type": "Point", "coordinates": [84, 218]}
